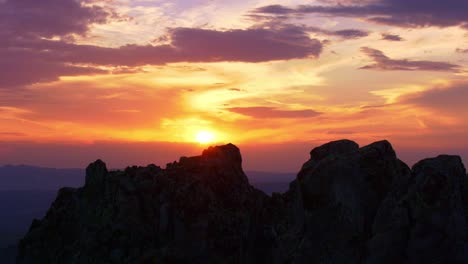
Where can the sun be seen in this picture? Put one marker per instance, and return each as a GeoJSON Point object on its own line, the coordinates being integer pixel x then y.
{"type": "Point", "coordinates": [204, 137]}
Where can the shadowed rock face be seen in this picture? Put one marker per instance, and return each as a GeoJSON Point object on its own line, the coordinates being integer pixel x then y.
{"type": "Point", "coordinates": [342, 188]}
{"type": "Point", "coordinates": [347, 205]}
{"type": "Point", "coordinates": [426, 223]}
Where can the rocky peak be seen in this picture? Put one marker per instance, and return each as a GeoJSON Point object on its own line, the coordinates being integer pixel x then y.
{"type": "Point", "coordinates": [96, 173]}
{"type": "Point", "coordinates": [381, 149]}
{"type": "Point", "coordinates": [219, 168]}
{"type": "Point", "coordinates": [437, 179]}
{"type": "Point", "coordinates": [338, 147]}
{"type": "Point", "coordinates": [328, 150]}
{"type": "Point", "coordinates": [227, 154]}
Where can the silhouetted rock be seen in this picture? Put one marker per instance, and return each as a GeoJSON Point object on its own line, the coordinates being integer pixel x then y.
{"type": "Point", "coordinates": [425, 222]}
{"type": "Point", "coordinates": [96, 173]}
{"type": "Point", "coordinates": [347, 205]}
{"type": "Point", "coordinates": [342, 187]}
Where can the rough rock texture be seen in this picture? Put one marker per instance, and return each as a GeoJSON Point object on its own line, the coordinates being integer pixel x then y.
{"type": "Point", "coordinates": [347, 205]}
{"type": "Point", "coordinates": [426, 221]}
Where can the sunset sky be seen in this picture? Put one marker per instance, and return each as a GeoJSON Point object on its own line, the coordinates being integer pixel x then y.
{"type": "Point", "coordinates": [138, 80]}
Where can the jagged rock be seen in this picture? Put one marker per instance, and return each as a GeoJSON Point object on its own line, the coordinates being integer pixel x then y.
{"type": "Point", "coordinates": [199, 209]}
{"type": "Point", "coordinates": [342, 187]}
{"type": "Point", "coordinates": [425, 222]}
{"type": "Point", "coordinates": [347, 205]}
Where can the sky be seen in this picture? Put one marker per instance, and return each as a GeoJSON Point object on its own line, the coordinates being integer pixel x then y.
{"type": "Point", "coordinates": [138, 81]}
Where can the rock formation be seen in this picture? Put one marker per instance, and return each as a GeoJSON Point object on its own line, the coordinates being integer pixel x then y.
{"type": "Point", "coordinates": [347, 205]}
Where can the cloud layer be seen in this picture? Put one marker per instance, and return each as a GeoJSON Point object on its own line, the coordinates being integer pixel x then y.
{"type": "Point", "coordinates": [403, 13]}
{"type": "Point", "coordinates": [30, 56]}
{"type": "Point", "coordinates": [275, 74]}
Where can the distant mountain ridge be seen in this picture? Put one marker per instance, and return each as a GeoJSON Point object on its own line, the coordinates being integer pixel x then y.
{"type": "Point", "coordinates": [346, 205]}
{"type": "Point", "coordinates": [24, 177]}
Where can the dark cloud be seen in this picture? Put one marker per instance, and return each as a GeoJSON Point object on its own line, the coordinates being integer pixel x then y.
{"type": "Point", "coordinates": [26, 66]}
{"type": "Point", "coordinates": [351, 33]}
{"type": "Point", "coordinates": [274, 9]}
{"type": "Point", "coordinates": [384, 63]}
{"type": "Point", "coordinates": [29, 60]}
{"type": "Point", "coordinates": [29, 56]}
{"type": "Point", "coordinates": [272, 112]}
{"type": "Point", "coordinates": [459, 50]}
{"type": "Point", "coordinates": [250, 45]}
{"type": "Point", "coordinates": [391, 37]}
{"type": "Point", "coordinates": [26, 57]}
{"type": "Point", "coordinates": [403, 13]}
{"type": "Point", "coordinates": [48, 18]}
{"type": "Point", "coordinates": [280, 23]}
{"type": "Point", "coordinates": [344, 34]}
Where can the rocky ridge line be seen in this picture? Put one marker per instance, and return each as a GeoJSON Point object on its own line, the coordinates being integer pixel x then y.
{"type": "Point", "coordinates": [347, 205]}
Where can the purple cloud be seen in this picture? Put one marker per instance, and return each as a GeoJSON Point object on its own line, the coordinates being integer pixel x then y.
{"type": "Point", "coordinates": [251, 45]}
{"type": "Point", "coordinates": [272, 112]}
{"type": "Point", "coordinates": [391, 37]}
{"type": "Point", "coordinates": [27, 66]}
{"type": "Point", "coordinates": [448, 99]}
{"type": "Point", "coordinates": [48, 18]}
{"type": "Point", "coordinates": [403, 13]}
{"type": "Point", "coordinates": [344, 34]}
{"type": "Point", "coordinates": [27, 56]}
{"type": "Point", "coordinates": [351, 33]}
{"type": "Point", "coordinates": [274, 9]}
{"type": "Point", "coordinates": [29, 60]}
{"type": "Point", "coordinates": [460, 50]}
{"type": "Point", "coordinates": [384, 63]}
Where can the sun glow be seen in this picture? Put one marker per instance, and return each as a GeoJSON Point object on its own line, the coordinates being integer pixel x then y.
{"type": "Point", "coordinates": [204, 137]}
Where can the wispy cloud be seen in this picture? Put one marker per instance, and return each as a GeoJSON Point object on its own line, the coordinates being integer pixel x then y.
{"type": "Point", "coordinates": [384, 63]}
{"type": "Point", "coordinates": [272, 112]}
{"type": "Point", "coordinates": [344, 33]}
{"type": "Point", "coordinates": [447, 98]}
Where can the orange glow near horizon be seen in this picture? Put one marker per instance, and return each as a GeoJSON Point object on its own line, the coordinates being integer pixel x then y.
{"type": "Point", "coordinates": [205, 137]}
{"type": "Point", "coordinates": [218, 77]}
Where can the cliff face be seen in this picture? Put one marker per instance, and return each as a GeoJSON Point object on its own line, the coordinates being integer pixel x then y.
{"type": "Point", "coordinates": [347, 205]}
